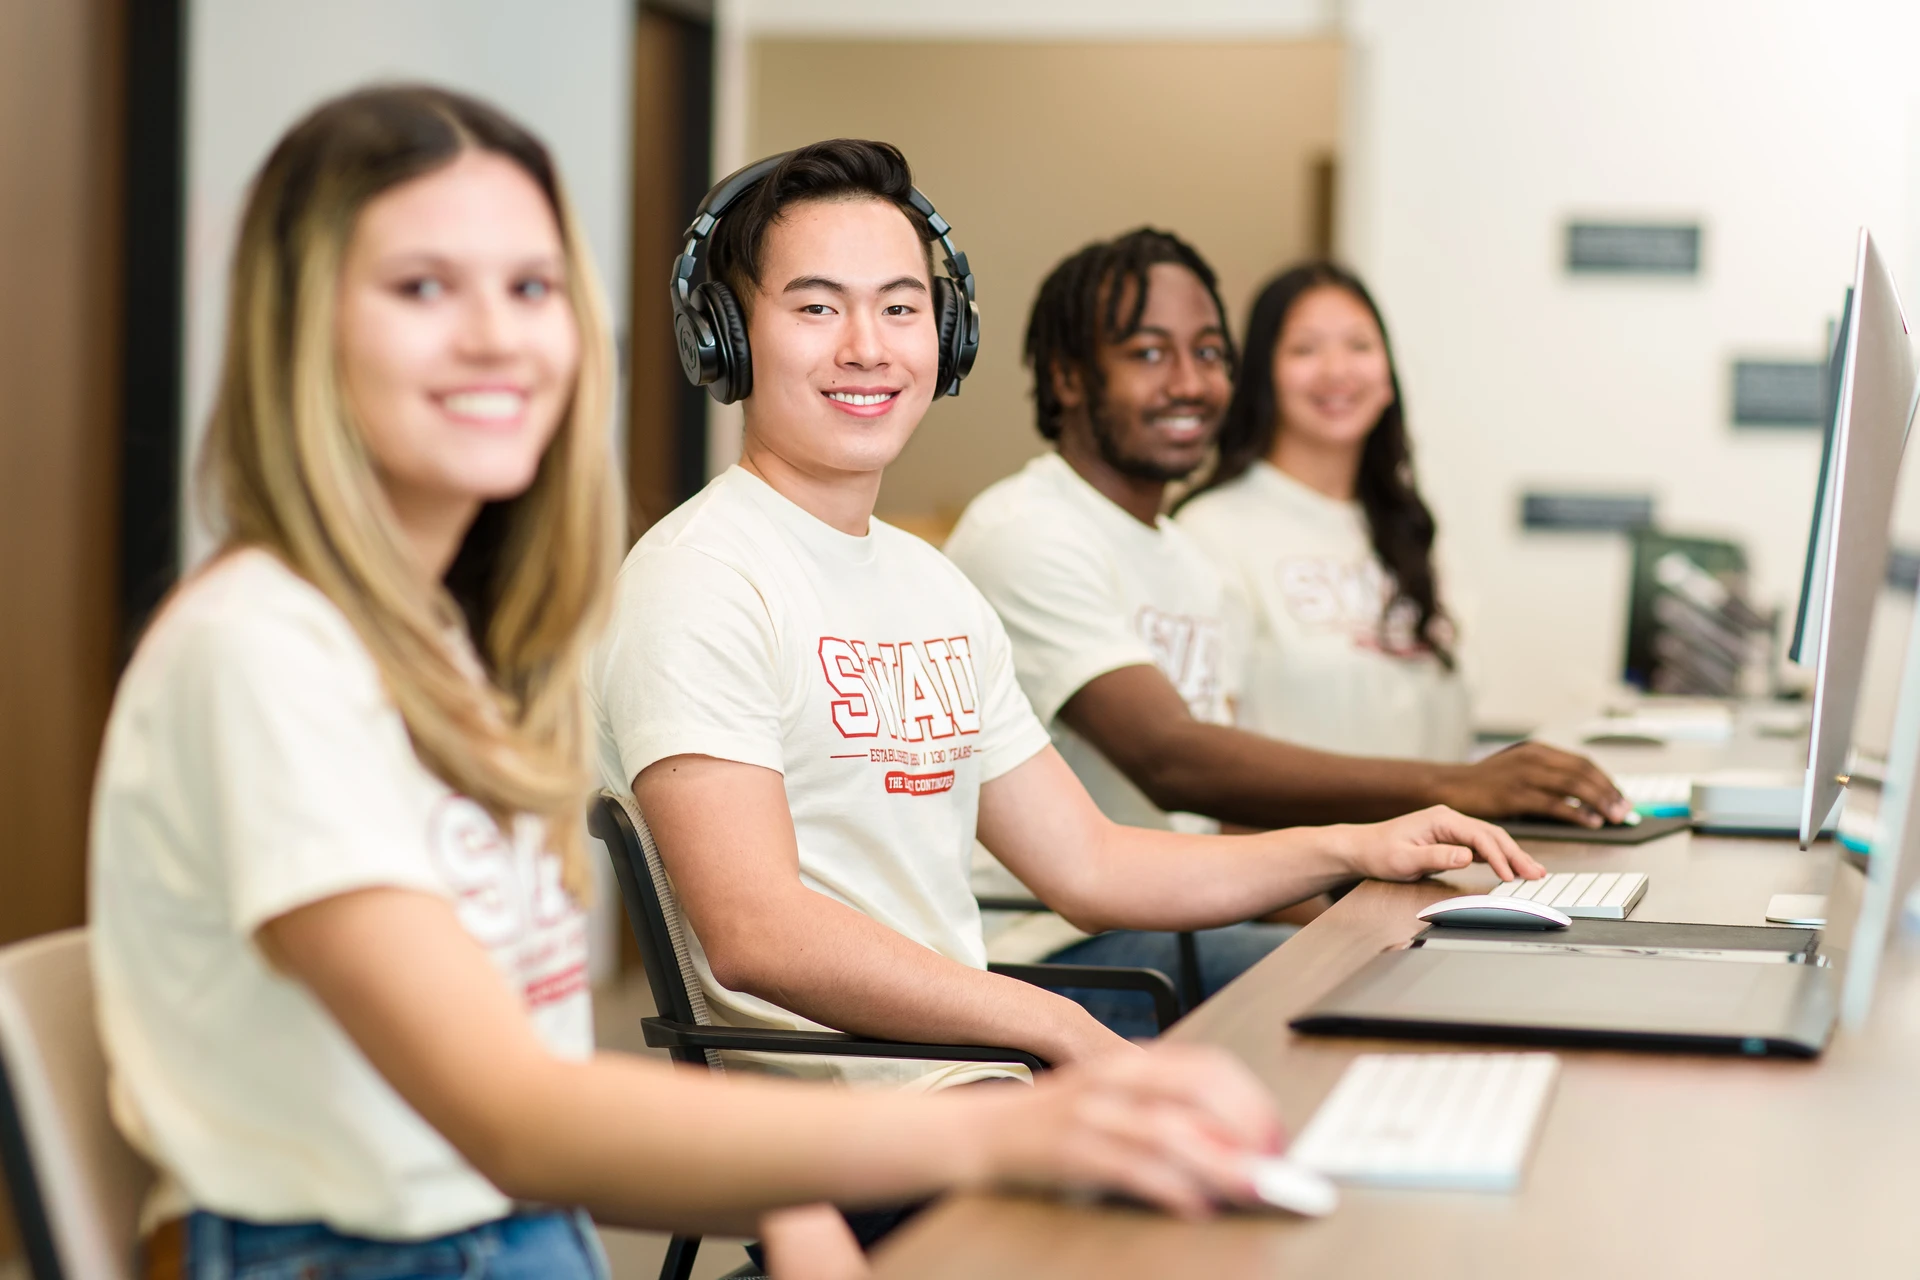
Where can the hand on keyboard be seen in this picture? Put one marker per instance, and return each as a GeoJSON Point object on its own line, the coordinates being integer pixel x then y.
{"type": "Point", "coordinates": [1534, 778]}
{"type": "Point", "coordinates": [1433, 840]}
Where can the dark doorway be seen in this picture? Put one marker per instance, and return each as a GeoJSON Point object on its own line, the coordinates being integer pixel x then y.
{"type": "Point", "coordinates": [672, 145]}
{"type": "Point", "coordinates": [153, 204]}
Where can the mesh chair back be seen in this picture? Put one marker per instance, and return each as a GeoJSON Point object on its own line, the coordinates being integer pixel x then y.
{"type": "Point", "coordinates": [77, 1186]}
{"type": "Point", "coordinates": [653, 911]}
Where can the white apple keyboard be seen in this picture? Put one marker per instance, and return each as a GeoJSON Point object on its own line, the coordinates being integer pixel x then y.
{"type": "Point", "coordinates": [1657, 795]}
{"type": "Point", "coordinates": [1594, 895]}
{"type": "Point", "coordinates": [1430, 1121]}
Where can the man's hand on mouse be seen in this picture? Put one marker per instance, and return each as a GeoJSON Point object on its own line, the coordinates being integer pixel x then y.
{"type": "Point", "coordinates": [1532, 778]}
{"type": "Point", "coordinates": [1435, 840]}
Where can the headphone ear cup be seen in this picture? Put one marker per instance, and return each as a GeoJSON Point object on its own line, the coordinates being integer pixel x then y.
{"type": "Point", "coordinates": [699, 352]}
{"type": "Point", "coordinates": [959, 329]}
{"type": "Point", "coordinates": [733, 366]}
{"type": "Point", "coordinates": [967, 346]}
{"type": "Point", "coordinates": [947, 323]}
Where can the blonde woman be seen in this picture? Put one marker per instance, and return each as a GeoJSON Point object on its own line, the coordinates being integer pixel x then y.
{"type": "Point", "coordinates": [337, 847]}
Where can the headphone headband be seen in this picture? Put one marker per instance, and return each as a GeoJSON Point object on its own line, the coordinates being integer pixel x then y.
{"type": "Point", "coordinates": [706, 361]}
{"type": "Point", "coordinates": [707, 216]}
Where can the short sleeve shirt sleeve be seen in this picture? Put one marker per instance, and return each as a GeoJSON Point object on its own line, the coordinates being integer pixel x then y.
{"type": "Point", "coordinates": [1063, 611]}
{"type": "Point", "coordinates": [1010, 731]}
{"type": "Point", "coordinates": [314, 785]}
{"type": "Point", "coordinates": [690, 665]}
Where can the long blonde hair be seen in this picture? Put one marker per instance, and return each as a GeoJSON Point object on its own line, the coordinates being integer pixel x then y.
{"type": "Point", "coordinates": [287, 470]}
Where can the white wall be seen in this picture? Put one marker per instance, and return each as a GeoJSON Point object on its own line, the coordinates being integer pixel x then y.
{"type": "Point", "coordinates": [255, 66]}
{"type": "Point", "coordinates": [1474, 129]}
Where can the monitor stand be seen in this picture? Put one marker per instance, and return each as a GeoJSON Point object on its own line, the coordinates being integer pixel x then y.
{"type": "Point", "coordinates": [1798, 908]}
{"type": "Point", "coordinates": [1752, 803]}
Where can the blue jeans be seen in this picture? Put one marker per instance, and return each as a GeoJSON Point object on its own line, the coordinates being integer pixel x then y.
{"type": "Point", "coordinates": [549, 1245]}
{"type": "Point", "coordinates": [1225, 954]}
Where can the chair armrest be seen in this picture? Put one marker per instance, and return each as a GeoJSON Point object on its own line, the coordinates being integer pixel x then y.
{"type": "Point", "coordinates": [1189, 988]}
{"type": "Point", "coordinates": [1166, 1001]}
{"type": "Point", "coordinates": [664, 1033]}
{"type": "Point", "coordinates": [997, 902]}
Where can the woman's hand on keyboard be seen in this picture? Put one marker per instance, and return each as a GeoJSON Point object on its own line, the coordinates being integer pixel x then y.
{"type": "Point", "coordinates": [1433, 840]}
{"type": "Point", "coordinates": [1172, 1126]}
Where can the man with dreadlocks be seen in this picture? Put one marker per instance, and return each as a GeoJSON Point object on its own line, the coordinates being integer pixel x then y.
{"type": "Point", "coordinates": [1124, 636]}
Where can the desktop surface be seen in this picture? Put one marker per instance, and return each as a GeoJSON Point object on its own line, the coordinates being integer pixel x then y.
{"type": "Point", "coordinates": [1706, 1166]}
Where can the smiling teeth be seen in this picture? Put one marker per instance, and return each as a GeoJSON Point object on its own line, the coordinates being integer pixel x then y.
{"type": "Point", "coordinates": [497, 405]}
{"type": "Point", "coordinates": [848, 397]}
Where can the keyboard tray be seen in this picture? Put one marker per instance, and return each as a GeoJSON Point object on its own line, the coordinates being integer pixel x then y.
{"type": "Point", "coordinates": [1651, 936]}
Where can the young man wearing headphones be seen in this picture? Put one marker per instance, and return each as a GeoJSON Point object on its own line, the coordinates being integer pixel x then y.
{"type": "Point", "coordinates": [1122, 632]}
{"type": "Point", "coordinates": [817, 712]}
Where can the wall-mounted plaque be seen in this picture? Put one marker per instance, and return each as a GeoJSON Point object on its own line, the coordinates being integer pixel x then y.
{"type": "Point", "coordinates": [1586, 512]}
{"type": "Point", "coordinates": [1633, 248]}
{"type": "Point", "coordinates": [1779, 393]}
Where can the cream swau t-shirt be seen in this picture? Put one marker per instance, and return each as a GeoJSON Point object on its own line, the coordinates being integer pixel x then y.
{"type": "Point", "coordinates": [1084, 589]}
{"type": "Point", "coordinates": [254, 764]}
{"type": "Point", "coordinates": [1322, 671]}
{"type": "Point", "coordinates": [866, 671]}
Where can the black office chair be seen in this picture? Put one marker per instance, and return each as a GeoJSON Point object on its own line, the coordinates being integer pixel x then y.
{"type": "Point", "coordinates": [1188, 978]}
{"type": "Point", "coordinates": [684, 1026]}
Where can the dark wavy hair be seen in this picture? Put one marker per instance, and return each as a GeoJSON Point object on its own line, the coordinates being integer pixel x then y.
{"type": "Point", "coordinates": [837, 169]}
{"type": "Point", "coordinates": [1398, 520]}
{"type": "Point", "coordinates": [1079, 308]}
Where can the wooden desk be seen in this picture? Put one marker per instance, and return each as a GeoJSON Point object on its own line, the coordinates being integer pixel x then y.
{"type": "Point", "coordinates": [1647, 1164]}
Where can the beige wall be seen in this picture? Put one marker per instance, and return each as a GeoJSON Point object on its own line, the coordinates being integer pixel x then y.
{"type": "Point", "coordinates": [1031, 149]}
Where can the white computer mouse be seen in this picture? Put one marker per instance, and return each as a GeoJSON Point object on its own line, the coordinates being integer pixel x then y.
{"type": "Point", "coordinates": [1484, 911]}
{"type": "Point", "coordinates": [1294, 1187]}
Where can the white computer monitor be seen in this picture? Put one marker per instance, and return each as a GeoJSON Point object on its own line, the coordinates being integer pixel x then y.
{"type": "Point", "coordinates": [1893, 864]}
{"type": "Point", "coordinates": [1813, 578]}
{"type": "Point", "coordinates": [1869, 432]}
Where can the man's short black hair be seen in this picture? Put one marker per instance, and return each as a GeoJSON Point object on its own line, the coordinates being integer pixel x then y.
{"type": "Point", "coordinates": [839, 169]}
{"type": "Point", "coordinates": [1079, 309]}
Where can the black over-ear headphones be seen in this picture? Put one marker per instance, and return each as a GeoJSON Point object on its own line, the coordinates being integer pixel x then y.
{"type": "Point", "coordinates": [711, 331]}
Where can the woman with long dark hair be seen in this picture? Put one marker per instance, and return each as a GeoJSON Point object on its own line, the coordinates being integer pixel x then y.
{"type": "Point", "coordinates": [1313, 511]}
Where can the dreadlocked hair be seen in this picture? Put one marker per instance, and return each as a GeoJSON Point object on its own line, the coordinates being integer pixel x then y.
{"type": "Point", "coordinates": [1080, 308]}
{"type": "Point", "coordinates": [1399, 522]}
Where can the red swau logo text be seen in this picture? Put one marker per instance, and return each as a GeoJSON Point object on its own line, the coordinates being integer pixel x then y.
{"type": "Point", "coordinates": [916, 692]}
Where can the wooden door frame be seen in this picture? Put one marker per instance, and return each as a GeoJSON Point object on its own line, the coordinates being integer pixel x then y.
{"type": "Point", "coordinates": [672, 169]}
